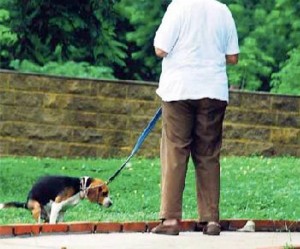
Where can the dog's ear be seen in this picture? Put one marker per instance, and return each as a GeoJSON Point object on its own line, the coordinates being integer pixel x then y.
{"type": "Point", "coordinates": [92, 194]}
{"type": "Point", "coordinates": [89, 181]}
{"type": "Point", "coordinates": [95, 190]}
{"type": "Point", "coordinates": [85, 182]}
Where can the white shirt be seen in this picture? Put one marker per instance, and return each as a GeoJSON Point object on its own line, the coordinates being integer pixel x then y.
{"type": "Point", "coordinates": [196, 34]}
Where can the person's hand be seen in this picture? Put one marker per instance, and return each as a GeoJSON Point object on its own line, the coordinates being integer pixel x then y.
{"type": "Point", "coordinates": [160, 53]}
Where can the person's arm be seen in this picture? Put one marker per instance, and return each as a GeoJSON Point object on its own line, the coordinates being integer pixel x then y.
{"type": "Point", "coordinates": [160, 53]}
{"type": "Point", "coordinates": [232, 59]}
{"type": "Point", "coordinates": [232, 49]}
{"type": "Point", "coordinates": [168, 31]}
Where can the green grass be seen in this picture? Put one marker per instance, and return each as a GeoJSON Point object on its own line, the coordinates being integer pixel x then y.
{"type": "Point", "coordinates": [252, 188]}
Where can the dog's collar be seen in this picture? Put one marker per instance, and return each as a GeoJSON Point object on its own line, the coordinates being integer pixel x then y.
{"type": "Point", "coordinates": [83, 187]}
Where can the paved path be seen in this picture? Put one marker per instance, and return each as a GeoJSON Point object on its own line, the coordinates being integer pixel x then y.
{"type": "Point", "coordinates": [186, 240]}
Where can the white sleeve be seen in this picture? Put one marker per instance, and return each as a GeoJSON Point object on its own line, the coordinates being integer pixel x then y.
{"type": "Point", "coordinates": [168, 31]}
{"type": "Point", "coordinates": [232, 42]}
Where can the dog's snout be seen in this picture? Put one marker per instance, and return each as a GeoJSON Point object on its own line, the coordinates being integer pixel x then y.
{"type": "Point", "coordinates": [107, 202]}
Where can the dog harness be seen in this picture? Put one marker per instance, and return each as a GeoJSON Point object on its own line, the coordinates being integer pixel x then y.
{"type": "Point", "coordinates": [83, 187]}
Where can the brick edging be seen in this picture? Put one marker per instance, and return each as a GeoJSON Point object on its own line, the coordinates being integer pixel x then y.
{"type": "Point", "coordinates": [127, 227]}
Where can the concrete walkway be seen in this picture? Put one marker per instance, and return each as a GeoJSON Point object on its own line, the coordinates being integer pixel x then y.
{"type": "Point", "coordinates": [186, 240]}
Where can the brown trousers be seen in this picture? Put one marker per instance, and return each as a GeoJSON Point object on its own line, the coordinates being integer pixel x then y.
{"type": "Point", "coordinates": [191, 127]}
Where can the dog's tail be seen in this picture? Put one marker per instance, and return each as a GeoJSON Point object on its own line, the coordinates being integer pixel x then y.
{"type": "Point", "coordinates": [13, 205]}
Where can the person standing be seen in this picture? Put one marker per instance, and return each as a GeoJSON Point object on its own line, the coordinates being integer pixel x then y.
{"type": "Point", "coordinates": [196, 39]}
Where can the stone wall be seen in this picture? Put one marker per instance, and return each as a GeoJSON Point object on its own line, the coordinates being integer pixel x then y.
{"type": "Point", "coordinates": [50, 116]}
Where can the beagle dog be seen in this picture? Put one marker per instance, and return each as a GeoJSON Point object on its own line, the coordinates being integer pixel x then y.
{"type": "Point", "coordinates": [51, 196]}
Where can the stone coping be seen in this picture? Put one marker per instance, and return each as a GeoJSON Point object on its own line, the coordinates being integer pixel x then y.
{"type": "Point", "coordinates": [11, 230]}
{"type": "Point", "coordinates": [129, 81]}
{"type": "Point", "coordinates": [64, 77]}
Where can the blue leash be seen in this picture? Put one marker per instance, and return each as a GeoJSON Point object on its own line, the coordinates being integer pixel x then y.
{"type": "Point", "coordinates": [138, 144]}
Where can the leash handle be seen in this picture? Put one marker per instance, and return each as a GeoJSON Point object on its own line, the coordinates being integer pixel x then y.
{"type": "Point", "coordinates": [138, 144]}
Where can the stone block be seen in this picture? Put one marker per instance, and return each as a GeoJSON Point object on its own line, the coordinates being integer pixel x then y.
{"type": "Point", "coordinates": [114, 106]}
{"type": "Point", "coordinates": [81, 103]}
{"type": "Point", "coordinates": [6, 113]}
{"type": "Point", "coordinates": [287, 150]}
{"type": "Point", "coordinates": [53, 84]}
{"type": "Point", "coordinates": [29, 99]}
{"type": "Point", "coordinates": [140, 92]}
{"type": "Point", "coordinates": [6, 231]}
{"type": "Point", "coordinates": [236, 224]}
{"type": "Point", "coordinates": [151, 225]}
{"type": "Point", "coordinates": [108, 228]}
{"type": "Point", "coordinates": [117, 138]}
{"type": "Point", "coordinates": [262, 148]}
{"type": "Point", "coordinates": [51, 116]}
{"type": "Point", "coordinates": [256, 101]}
{"type": "Point", "coordinates": [134, 227]}
{"type": "Point", "coordinates": [232, 147]}
{"type": "Point", "coordinates": [285, 136]}
{"type": "Point", "coordinates": [112, 121]}
{"type": "Point", "coordinates": [82, 151]}
{"type": "Point", "coordinates": [25, 82]}
{"type": "Point", "coordinates": [22, 230]}
{"type": "Point", "coordinates": [114, 152]}
{"type": "Point", "coordinates": [32, 131]}
{"type": "Point", "coordinates": [137, 123]}
{"type": "Point", "coordinates": [188, 226]}
{"type": "Point", "coordinates": [27, 229]}
{"type": "Point", "coordinates": [286, 104]}
{"type": "Point", "coordinates": [246, 132]}
{"type": "Point", "coordinates": [142, 108]}
{"type": "Point", "coordinates": [29, 147]}
{"type": "Point", "coordinates": [245, 116]}
{"type": "Point", "coordinates": [5, 79]}
{"type": "Point", "coordinates": [53, 149]}
{"type": "Point", "coordinates": [24, 148]}
{"type": "Point", "coordinates": [112, 90]}
{"type": "Point", "coordinates": [8, 129]}
{"type": "Point", "coordinates": [288, 120]}
{"type": "Point", "coordinates": [3, 145]}
{"type": "Point", "coordinates": [79, 119]}
{"type": "Point", "coordinates": [149, 153]}
{"type": "Point", "coordinates": [56, 101]}
{"type": "Point", "coordinates": [235, 98]}
{"type": "Point", "coordinates": [22, 113]}
{"type": "Point", "coordinates": [89, 136]}
{"type": "Point", "coordinates": [79, 87]}
{"type": "Point", "coordinates": [54, 228]}
{"type": "Point", "coordinates": [6, 98]}
{"type": "Point", "coordinates": [53, 133]}
{"type": "Point", "coordinates": [81, 227]}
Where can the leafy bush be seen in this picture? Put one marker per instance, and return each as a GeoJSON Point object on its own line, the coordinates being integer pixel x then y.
{"type": "Point", "coordinates": [252, 67]}
{"type": "Point", "coordinates": [70, 68]}
{"type": "Point", "coordinates": [66, 33]}
{"type": "Point", "coordinates": [287, 80]}
{"type": "Point", "coordinates": [8, 39]}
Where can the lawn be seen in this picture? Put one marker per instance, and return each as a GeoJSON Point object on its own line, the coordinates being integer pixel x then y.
{"type": "Point", "coordinates": [251, 188]}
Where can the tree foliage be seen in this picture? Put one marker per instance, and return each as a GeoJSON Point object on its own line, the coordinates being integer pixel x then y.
{"type": "Point", "coordinates": [61, 31]}
{"type": "Point", "coordinates": [269, 31]}
{"type": "Point", "coordinates": [144, 17]}
{"type": "Point", "coordinates": [115, 39]}
{"type": "Point", "coordinates": [8, 38]}
{"type": "Point", "coordinates": [287, 79]}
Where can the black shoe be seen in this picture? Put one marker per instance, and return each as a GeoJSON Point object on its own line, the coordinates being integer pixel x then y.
{"type": "Point", "coordinates": [212, 228]}
{"type": "Point", "coordinates": [166, 229]}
